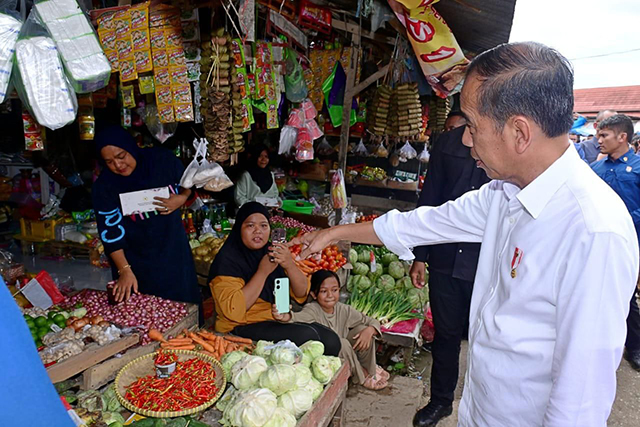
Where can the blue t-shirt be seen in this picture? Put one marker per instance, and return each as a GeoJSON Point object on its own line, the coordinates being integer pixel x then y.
{"type": "Point", "coordinates": [623, 176]}
{"type": "Point", "coordinates": [28, 399]}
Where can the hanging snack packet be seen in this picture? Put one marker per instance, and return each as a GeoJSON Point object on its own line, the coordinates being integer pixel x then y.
{"type": "Point", "coordinates": [338, 190]}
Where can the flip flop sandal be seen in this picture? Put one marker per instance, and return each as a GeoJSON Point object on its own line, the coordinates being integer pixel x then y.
{"type": "Point", "coordinates": [374, 384]}
{"type": "Point", "coordinates": [383, 374]}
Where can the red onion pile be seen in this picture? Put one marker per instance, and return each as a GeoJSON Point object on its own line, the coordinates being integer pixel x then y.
{"type": "Point", "coordinates": [292, 223]}
{"type": "Point", "coordinates": [146, 311]}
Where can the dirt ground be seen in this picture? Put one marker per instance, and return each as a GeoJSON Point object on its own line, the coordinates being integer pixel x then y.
{"type": "Point", "coordinates": [397, 405]}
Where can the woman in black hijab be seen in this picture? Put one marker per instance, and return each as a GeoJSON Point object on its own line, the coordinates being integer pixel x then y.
{"type": "Point", "coordinates": [242, 283]}
{"type": "Point", "coordinates": [149, 253]}
{"type": "Point", "coordinates": [257, 180]}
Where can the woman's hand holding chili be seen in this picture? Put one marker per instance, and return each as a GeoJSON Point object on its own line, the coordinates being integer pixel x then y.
{"type": "Point", "coordinates": [171, 204]}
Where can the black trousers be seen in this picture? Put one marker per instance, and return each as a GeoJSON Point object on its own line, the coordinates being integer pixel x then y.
{"type": "Point", "coordinates": [633, 327]}
{"type": "Point", "coordinates": [298, 333]}
{"type": "Point", "coordinates": [450, 301]}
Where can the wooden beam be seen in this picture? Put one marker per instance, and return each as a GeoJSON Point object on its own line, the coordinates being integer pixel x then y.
{"type": "Point", "coordinates": [395, 23]}
{"type": "Point", "coordinates": [353, 28]}
{"type": "Point", "coordinates": [369, 80]}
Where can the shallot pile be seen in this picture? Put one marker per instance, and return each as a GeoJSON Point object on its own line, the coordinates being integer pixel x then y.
{"type": "Point", "coordinates": [146, 311]}
{"type": "Point", "coordinates": [293, 227]}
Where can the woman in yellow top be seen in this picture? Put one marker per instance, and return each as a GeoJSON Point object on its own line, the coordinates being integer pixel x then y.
{"type": "Point", "coordinates": [242, 283]}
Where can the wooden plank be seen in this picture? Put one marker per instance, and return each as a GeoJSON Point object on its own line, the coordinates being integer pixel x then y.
{"type": "Point", "coordinates": [100, 374]}
{"type": "Point", "coordinates": [369, 80]}
{"type": "Point", "coordinates": [323, 410]}
{"type": "Point", "coordinates": [397, 340]}
{"type": "Point", "coordinates": [92, 354]}
{"type": "Point", "coordinates": [354, 28]}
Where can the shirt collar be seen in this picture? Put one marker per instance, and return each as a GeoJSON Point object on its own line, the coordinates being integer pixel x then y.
{"type": "Point", "coordinates": [535, 196]}
{"type": "Point", "coordinates": [624, 158]}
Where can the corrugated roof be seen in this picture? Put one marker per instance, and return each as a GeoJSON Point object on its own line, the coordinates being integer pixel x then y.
{"type": "Point", "coordinates": [623, 99]}
{"type": "Point", "coordinates": [478, 25]}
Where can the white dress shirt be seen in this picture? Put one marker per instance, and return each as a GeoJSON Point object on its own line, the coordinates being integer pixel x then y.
{"type": "Point", "coordinates": [546, 339]}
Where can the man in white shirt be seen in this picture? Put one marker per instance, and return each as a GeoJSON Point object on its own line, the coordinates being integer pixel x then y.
{"type": "Point", "coordinates": [559, 257]}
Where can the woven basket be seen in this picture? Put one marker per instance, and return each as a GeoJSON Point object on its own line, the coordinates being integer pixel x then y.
{"type": "Point", "coordinates": [144, 365]}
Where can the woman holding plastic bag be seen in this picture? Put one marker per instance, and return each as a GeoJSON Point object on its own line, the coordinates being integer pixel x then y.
{"type": "Point", "coordinates": [149, 253]}
{"type": "Point", "coordinates": [257, 180]}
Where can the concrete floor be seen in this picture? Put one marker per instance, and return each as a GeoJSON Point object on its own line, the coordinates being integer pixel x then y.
{"type": "Point", "coordinates": [397, 405]}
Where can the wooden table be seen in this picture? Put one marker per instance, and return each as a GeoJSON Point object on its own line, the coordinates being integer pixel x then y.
{"type": "Point", "coordinates": [328, 409]}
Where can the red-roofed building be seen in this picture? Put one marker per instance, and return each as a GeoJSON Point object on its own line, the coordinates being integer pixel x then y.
{"type": "Point", "coordinates": [623, 99]}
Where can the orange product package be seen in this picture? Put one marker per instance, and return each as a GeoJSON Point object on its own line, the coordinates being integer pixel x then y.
{"type": "Point", "coordinates": [160, 58]}
{"type": "Point", "coordinates": [165, 114]}
{"type": "Point", "coordinates": [162, 77]}
{"type": "Point", "coordinates": [143, 61]}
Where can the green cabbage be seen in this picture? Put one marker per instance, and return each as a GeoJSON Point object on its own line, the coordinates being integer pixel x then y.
{"type": "Point", "coordinates": [315, 388]}
{"type": "Point", "coordinates": [389, 258]}
{"type": "Point", "coordinates": [360, 268]}
{"type": "Point", "coordinates": [111, 402]}
{"type": "Point", "coordinates": [353, 256]}
{"type": "Point", "coordinates": [303, 375]}
{"type": "Point", "coordinates": [396, 270]}
{"type": "Point", "coordinates": [361, 282]}
{"type": "Point", "coordinates": [246, 373]}
{"type": "Point", "coordinates": [306, 360]}
{"type": "Point", "coordinates": [112, 417]}
{"type": "Point", "coordinates": [404, 284]}
{"type": "Point", "coordinates": [285, 352]}
{"type": "Point", "coordinates": [335, 363]}
{"type": "Point", "coordinates": [312, 349]}
{"type": "Point", "coordinates": [252, 409]}
{"type": "Point", "coordinates": [375, 275]}
{"type": "Point", "coordinates": [279, 379]}
{"type": "Point", "coordinates": [224, 400]}
{"type": "Point", "coordinates": [322, 370]}
{"type": "Point", "coordinates": [297, 402]}
{"type": "Point", "coordinates": [230, 359]}
{"type": "Point", "coordinates": [364, 256]}
{"type": "Point", "coordinates": [281, 418]}
{"type": "Point", "coordinates": [417, 297]}
{"type": "Point", "coordinates": [386, 283]}
{"type": "Point", "coordinates": [350, 283]}
{"type": "Point", "coordinates": [260, 349]}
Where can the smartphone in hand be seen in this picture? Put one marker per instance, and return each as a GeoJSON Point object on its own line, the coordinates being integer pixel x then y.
{"type": "Point", "coordinates": [281, 292]}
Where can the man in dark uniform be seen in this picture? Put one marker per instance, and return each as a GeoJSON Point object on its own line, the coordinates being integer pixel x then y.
{"type": "Point", "coordinates": [452, 267]}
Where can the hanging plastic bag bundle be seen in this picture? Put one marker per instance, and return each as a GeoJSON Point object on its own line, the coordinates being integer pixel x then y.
{"type": "Point", "coordinates": [39, 78]}
{"type": "Point", "coordinates": [338, 190]}
{"type": "Point", "coordinates": [295, 86]}
{"type": "Point", "coordinates": [203, 173]}
{"type": "Point", "coordinates": [85, 63]}
{"type": "Point", "coordinates": [360, 149]}
{"type": "Point", "coordinates": [189, 173]}
{"type": "Point", "coordinates": [407, 152]}
{"type": "Point", "coordinates": [10, 24]}
{"type": "Point", "coordinates": [304, 145]}
{"type": "Point", "coordinates": [288, 136]}
{"type": "Point", "coordinates": [424, 155]}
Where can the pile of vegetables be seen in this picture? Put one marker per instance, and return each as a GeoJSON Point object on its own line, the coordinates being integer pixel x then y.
{"type": "Point", "coordinates": [145, 311]}
{"type": "Point", "coordinates": [294, 228]}
{"type": "Point", "coordinates": [206, 247]}
{"type": "Point", "coordinates": [331, 259]}
{"type": "Point", "coordinates": [93, 408]}
{"type": "Point", "coordinates": [203, 341]}
{"type": "Point", "coordinates": [276, 385]}
{"type": "Point", "coordinates": [366, 218]}
{"type": "Point", "coordinates": [192, 384]}
{"type": "Point", "coordinates": [380, 286]}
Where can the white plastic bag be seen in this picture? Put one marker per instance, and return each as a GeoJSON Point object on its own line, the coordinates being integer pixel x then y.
{"type": "Point", "coordinates": [424, 155]}
{"type": "Point", "coordinates": [288, 136]}
{"type": "Point", "coordinates": [201, 153]}
{"type": "Point", "coordinates": [10, 24]}
{"type": "Point", "coordinates": [360, 149]}
{"type": "Point", "coordinates": [338, 190]}
{"type": "Point", "coordinates": [407, 152]}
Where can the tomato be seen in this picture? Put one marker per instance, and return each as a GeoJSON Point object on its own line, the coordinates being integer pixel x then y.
{"type": "Point", "coordinates": [339, 256]}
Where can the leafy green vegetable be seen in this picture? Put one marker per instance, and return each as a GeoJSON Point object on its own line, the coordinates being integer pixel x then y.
{"type": "Point", "coordinates": [312, 349]}
{"type": "Point", "coordinates": [387, 307]}
{"type": "Point", "coordinates": [297, 402]}
{"type": "Point", "coordinates": [230, 359]}
{"type": "Point", "coordinates": [386, 283]}
{"type": "Point", "coordinates": [389, 258]}
{"type": "Point", "coordinates": [279, 379]}
{"type": "Point", "coordinates": [404, 284]}
{"type": "Point", "coordinates": [353, 256]}
{"type": "Point", "coordinates": [365, 257]}
{"type": "Point", "coordinates": [252, 408]}
{"type": "Point", "coordinates": [361, 282]}
{"type": "Point", "coordinates": [360, 268]}
{"type": "Point", "coordinates": [322, 369]}
{"type": "Point", "coordinates": [315, 388]}
{"type": "Point", "coordinates": [396, 269]}
{"type": "Point", "coordinates": [281, 418]}
{"type": "Point", "coordinates": [247, 372]}
{"type": "Point", "coordinates": [303, 375]}
{"type": "Point", "coordinates": [260, 349]}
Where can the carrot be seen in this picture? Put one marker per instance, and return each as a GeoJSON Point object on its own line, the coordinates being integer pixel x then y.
{"type": "Point", "coordinates": [202, 342]}
{"type": "Point", "coordinates": [182, 347]}
{"type": "Point", "coordinates": [207, 335]}
{"type": "Point", "coordinates": [220, 347]}
{"type": "Point", "coordinates": [239, 340]}
{"type": "Point", "coordinates": [180, 341]}
{"type": "Point", "coordinates": [308, 263]}
{"type": "Point", "coordinates": [156, 335]}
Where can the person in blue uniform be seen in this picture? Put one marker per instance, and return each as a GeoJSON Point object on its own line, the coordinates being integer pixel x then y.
{"type": "Point", "coordinates": [452, 266]}
{"type": "Point", "coordinates": [621, 170]}
{"type": "Point", "coordinates": [28, 398]}
{"type": "Point", "coordinates": [149, 253]}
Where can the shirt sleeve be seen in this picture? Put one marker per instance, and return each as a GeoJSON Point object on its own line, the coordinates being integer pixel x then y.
{"type": "Point", "coordinates": [109, 219]}
{"type": "Point", "coordinates": [592, 305]}
{"type": "Point", "coordinates": [273, 191]}
{"type": "Point", "coordinates": [308, 314]}
{"type": "Point", "coordinates": [355, 318]}
{"type": "Point", "coordinates": [460, 220]}
{"type": "Point", "coordinates": [228, 298]}
{"type": "Point", "coordinates": [241, 190]}
{"type": "Point", "coordinates": [302, 299]}
{"type": "Point", "coordinates": [431, 194]}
